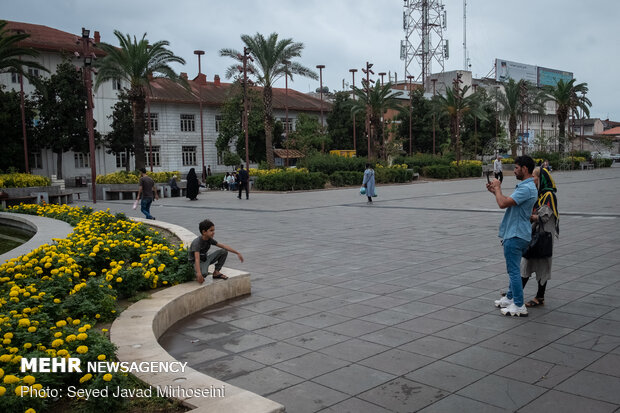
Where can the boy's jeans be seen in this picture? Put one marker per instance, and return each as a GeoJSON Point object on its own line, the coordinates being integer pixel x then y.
{"type": "Point", "coordinates": [145, 207]}
{"type": "Point", "coordinates": [513, 251]}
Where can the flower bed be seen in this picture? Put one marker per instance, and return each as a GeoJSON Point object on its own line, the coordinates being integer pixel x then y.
{"type": "Point", "coordinates": [124, 177]}
{"type": "Point", "coordinates": [17, 180]}
{"type": "Point", "coordinates": [52, 298]}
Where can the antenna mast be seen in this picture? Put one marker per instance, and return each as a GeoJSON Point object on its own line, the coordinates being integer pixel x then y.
{"type": "Point", "coordinates": [423, 22]}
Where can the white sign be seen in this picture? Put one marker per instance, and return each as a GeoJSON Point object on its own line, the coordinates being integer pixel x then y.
{"type": "Point", "coordinates": [505, 69]}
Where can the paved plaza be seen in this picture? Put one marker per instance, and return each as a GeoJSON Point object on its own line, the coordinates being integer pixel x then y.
{"type": "Point", "coordinates": [389, 307]}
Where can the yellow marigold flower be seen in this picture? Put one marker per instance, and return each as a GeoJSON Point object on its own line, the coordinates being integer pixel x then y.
{"type": "Point", "coordinates": [5, 358]}
{"type": "Point", "coordinates": [1, 373]}
{"type": "Point", "coordinates": [119, 279]}
{"type": "Point", "coordinates": [82, 349]}
{"type": "Point", "coordinates": [57, 300]}
{"type": "Point", "coordinates": [24, 322]}
{"type": "Point", "coordinates": [61, 323]}
{"type": "Point", "coordinates": [6, 341]}
{"type": "Point", "coordinates": [86, 377]}
{"type": "Point", "coordinates": [107, 377]}
{"type": "Point", "coordinates": [27, 345]}
{"type": "Point", "coordinates": [2, 390]}
{"type": "Point", "coordinates": [32, 329]}
{"type": "Point", "coordinates": [58, 342]}
{"type": "Point", "coordinates": [97, 315]}
{"type": "Point", "coordinates": [104, 330]}
{"type": "Point", "coordinates": [76, 322]}
{"type": "Point", "coordinates": [10, 379]}
{"type": "Point", "coordinates": [58, 334]}
{"type": "Point", "coordinates": [82, 336]}
{"type": "Point", "coordinates": [29, 380]}
{"type": "Point", "coordinates": [37, 386]}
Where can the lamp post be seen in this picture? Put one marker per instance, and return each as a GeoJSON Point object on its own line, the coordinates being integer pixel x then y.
{"type": "Point", "coordinates": [434, 81]}
{"type": "Point", "coordinates": [286, 130]}
{"type": "Point", "coordinates": [23, 110]}
{"type": "Point", "coordinates": [245, 57]}
{"type": "Point", "coordinates": [368, 71]}
{"type": "Point", "coordinates": [410, 77]}
{"type": "Point", "coordinates": [475, 87]}
{"type": "Point", "coordinates": [381, 74]}
{"type": "Point", "coordinates": [87, 56]}
{"type": "Point", "coordinates": [321, 67]}
{"type": "Point", "coordinates": [202, 138]}
{"type": "Point", "coordinates": [354, 140]}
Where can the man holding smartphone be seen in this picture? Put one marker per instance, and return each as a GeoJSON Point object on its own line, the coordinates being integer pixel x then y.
{"type": "Point", "coordinates": [515, 231]}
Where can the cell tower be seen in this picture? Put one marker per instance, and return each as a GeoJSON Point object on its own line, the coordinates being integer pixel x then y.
{"type": "Point", "coordinates": [423, 22]}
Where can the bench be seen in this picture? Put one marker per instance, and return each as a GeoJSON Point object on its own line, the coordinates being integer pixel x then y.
{"type": "Point", "coordinates": [61, 198]}
{"type": "Point", "coordinates": [119, 194]}
{"type": "Point", "coordinates": [586, 165]}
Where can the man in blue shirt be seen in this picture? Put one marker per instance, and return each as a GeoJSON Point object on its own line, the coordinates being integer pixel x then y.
{"type": "Point", "coordinates": [516, 231]}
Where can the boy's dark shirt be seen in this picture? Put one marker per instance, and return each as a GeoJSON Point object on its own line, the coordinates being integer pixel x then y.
{"type": "Point", "coordinates": [147, 184]}
{"type": "Point", "coordinates": [243, 175]}
{"type": "Point", "coordinates": [202, 246]}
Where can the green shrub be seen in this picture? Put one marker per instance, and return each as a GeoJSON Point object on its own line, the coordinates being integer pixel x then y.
{"type": "Point", "coordinates": [124, 177]}
{"type": "Point", "coordinates": [214, 181]}
{"type": "Point", "coordinates": [291, 181]}
{"type": "Point", "coordinates": [18, 180]}
{"type": "Point", "coordinates": [328, 164]}
{"type": "Point", "coordinates": [602, 163]}
{"type": "Point", "coordinates": [389, 175]}
{"type": "Point", "coordinates": [420, 160]}
{"type": "Point", "coordinates": [450, 172]}
{"type": "Point", "coordinates": [346, 178]}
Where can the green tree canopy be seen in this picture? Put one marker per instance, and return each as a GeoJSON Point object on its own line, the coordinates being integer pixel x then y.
{"type": "Point", "coordinates": [137, 62]}
{"type": "Point", "coordinates": [120, 138]}
{"type": "Point", "coordinates": [11, 129]}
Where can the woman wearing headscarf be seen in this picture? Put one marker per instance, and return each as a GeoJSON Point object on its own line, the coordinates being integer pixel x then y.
{"type": "Point", "coordinates": [369, 182]}
{"type": "Point", "coordinates": [192, 185]}
{"type": "Point", "coordinates": [546, 214]}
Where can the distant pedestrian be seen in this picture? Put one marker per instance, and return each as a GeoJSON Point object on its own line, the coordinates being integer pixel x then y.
{"type": "Point", "coordinates": [515, 231]}
{"type": "Point", "coordinates": [209, 170]}
{"type": "Point", "coordinates": [546, 214]}
{"type": "Point", "coordinates": [498, 169]}
{"type": "Point", "coordinates": [146, 192]}
{"type": "Point", "coordinates": [174, 187]}
{"type": "Point", "coordinates": [369, 182]}
{"type": "Point", "coordinates": [198, 253]}
{"type": "Point", "coordinates": [244, 178]}
{"type": "Point", "coordinates": [193, 186]}
{"type": "Point", "coordinates": [224, 185]}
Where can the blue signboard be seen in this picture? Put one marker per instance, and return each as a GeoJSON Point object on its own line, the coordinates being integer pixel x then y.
{"type": "Point", "coordinates": [550, 77]}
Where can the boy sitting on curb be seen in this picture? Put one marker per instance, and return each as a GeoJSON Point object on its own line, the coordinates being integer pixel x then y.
{"type": "Point", "coordinates": [197, 253]}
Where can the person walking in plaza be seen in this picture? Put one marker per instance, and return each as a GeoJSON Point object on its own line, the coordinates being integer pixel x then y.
{"type": "Point", "coordinates": [244, 178]}
{"type": "Point", "coordinates": [498, 169]}
{"type": "Point", "coordinates": [193, 186]}
{"type": "Point", "coordinates": [174, 187]}
{"type": "Point", "coordinates": [515, 231]}
{"type": "Point", "coordinates": [198, 253]}
{"type": "Point", "coordinates": [546, 214]}
{"type": "Point", "coordinates": [146, 192]}
{"type": "Point", "coordinates": [369, 182]}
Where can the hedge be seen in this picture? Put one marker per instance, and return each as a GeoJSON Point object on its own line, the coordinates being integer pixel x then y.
{"type": "Point", "coordinates": [346, 178]}
{"type": "Point", "coordinates": [328, 164]}
{"type": "Point", "coordinates": [421, 160]}
{"type": "Point", "coordinates": [17, 180]}
{"type": "Point", "coordinates": [389, 175]}
{"type": "Point", "coordinates": [124, 177]}
{"type": "Point", "coordinates": [291, 181]}
{"type": "Point", "coordinates": [450, 172]}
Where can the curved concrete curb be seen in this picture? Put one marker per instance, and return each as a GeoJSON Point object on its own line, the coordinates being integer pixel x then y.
{"type": "Point", "coordinates": [45, 230]}
{"type": "Point", "coordinates": [136, 331]}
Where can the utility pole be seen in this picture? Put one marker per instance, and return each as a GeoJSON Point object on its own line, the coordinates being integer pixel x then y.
{"type": "Point", "coordinates": [368, 71]}
{"type": "Point", "coordinates": [246, 82]}
{"type": "Point", "coordinates": [354, 141]}
{"type": "Point", "coordinates": [410, 77]}
{"type": "Point", "coordinates": [434, 81]}
{"type": "Point", "coordinates": [88, 55]}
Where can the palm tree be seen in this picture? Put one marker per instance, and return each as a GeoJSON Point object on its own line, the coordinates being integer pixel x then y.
{"type": "Point", "coordinates": [272, 60]}
{"type": "Point", "coordinates": [10, 53]}
{"type": "Point", "coordinates": [457, 105]}
{"type": "Point", "coordinates": [512, 100]}
{"type": "Point", "coordinates": [136, 62]}
{"type": "Point", "coordinates": [566, 96]}
{"type": "Point", "coordinates": [375, 102]}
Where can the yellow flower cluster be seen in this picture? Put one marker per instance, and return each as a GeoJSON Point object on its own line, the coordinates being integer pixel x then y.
{"type": "Point", "coordinates": [17, 180]}
{"type": "Point", "coordinates": [133, 177]}
{"type": "Point", "coordinates": [395, 166]}
{"type": "Point", "coordinates": [266, 172]}
{"type": "Point", "coordinates": [467, 162]}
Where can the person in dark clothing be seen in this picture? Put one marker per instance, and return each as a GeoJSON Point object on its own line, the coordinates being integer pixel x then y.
{"type": "Point", "coordinates": [209, 170]}
{"type": "Point", "coordinates": [146, 192]}
{"type": "Point", "coordinates": [174, 187]}
{"type": "Point", "coordinates": [244, 177]}
{"type": "Point", "coordinates": [192, 185]}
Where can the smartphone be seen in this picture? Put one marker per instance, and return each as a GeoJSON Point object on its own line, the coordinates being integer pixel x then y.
{"type": "Point", "coordinates": [488, 177]}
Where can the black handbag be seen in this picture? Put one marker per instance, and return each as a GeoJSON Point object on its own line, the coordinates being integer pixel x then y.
{"type": "Point", "coordinates": [541, 245]}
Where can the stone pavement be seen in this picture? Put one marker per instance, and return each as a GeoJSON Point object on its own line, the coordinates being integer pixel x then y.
{"type": "Point", "coordinates": [388, 308]}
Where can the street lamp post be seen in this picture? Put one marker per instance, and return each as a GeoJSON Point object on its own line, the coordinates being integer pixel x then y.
{"type": "Point", "coordinates": [88, 55]}
{"type": "Point", "coordinates": [286, 130]}
{"type": "Point", "coordinates": [475, 87]}
{"type": "Point", "coordinates": [434, 81]}
{"type": "Point", "coordinates": [202, 139]}
{"type": "Point", "coordinates": [245, 57]}
{"type": "Point", "coordinates": [382, 74]}
{"type": "Point", "coordinates": [23, 110]}
{"type": "Point", "coordinates": [321, 67]}
{"type": "Point", "coordinates": [368, 71]}
{"type": "Point", "coordinates": [354, 140]}
{"type": "Point", "coordinates": [410, 77]}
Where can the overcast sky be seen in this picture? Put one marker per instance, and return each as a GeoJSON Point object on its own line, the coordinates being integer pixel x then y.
{"type": "Point", "coordinates": [575, 36]}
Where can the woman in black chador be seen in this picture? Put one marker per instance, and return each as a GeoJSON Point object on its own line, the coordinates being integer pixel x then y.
{"type": "Point", "coordinates": [192, 185]}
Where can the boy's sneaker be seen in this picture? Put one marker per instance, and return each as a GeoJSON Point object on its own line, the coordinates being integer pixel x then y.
{"type": "Point", "coordinates": [503, 302]}
{"type": "Point", "coordinates": [513, 310]}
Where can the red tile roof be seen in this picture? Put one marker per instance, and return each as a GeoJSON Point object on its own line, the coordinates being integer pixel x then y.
{"type": "Point", "coordinates": [45, 38]}
{"type": "Point", "coordinates": [612, 131]}
{"type": "Point", "coordinates": [165, 90]}
{"type": "Point", "coordinates": [288, 153]}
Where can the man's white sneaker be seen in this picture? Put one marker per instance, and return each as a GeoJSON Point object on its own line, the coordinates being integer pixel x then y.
{"type": "Point", "coordinates": [503, 302]}
{"type": "Point", "coordinates": [513, 310]}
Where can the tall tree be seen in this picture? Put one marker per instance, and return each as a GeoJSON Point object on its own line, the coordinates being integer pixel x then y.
{"type": "Point", "coordinates": [510, 101]}
{"type": "Point", "coordinates": [10, 52]}
{"type": "Point", "coordinates": [137, 62]}
{"type": "Point", "coordinates": [457, 105]}
{"type": "Point", "coordinates": [272, 60]}
{"type": "Point", "coordinates": [340, 124]}
{"type": "Point", "coordinates": [120, 138]}
{"type": "Point", "coordinates": [568, 97]}
{"type": "Point", "coordinates": [11, 129]}
{"type": "Point", "coordinates": [421, 124]}
{"type": "Point", "coordinates": [61, 100]}
{"type": "Point", "coordinates": [375, 102]}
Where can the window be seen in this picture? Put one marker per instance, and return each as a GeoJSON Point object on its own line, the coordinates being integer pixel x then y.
{"type": "Point", "coordinates": [121, 160]}
{"type": "Point", "coordinates": [220, 159]}
{"type": "Point", "coordinates": [36, 160]}
{"type": "Point", "coordinates": [116, 84]}
{"type": "Point", "coordinates": [33, 72]}
{"type": "Point", "coordinates": [154, 121]}
{"type": "Point", "coordinates": [187, 123]}
{"type": "Point", "coordinates": [155, 150]}
{"type": "Point", "coordinates": [290, 125]}
{"type": "Point", "coordinates": [81, 160]}
{"type": "Point", "coordinates": [14, 77]}
{"type": "Point", "coordinates": [189, 155]}
{"type": "Point", "coordinates": [218, 123]}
